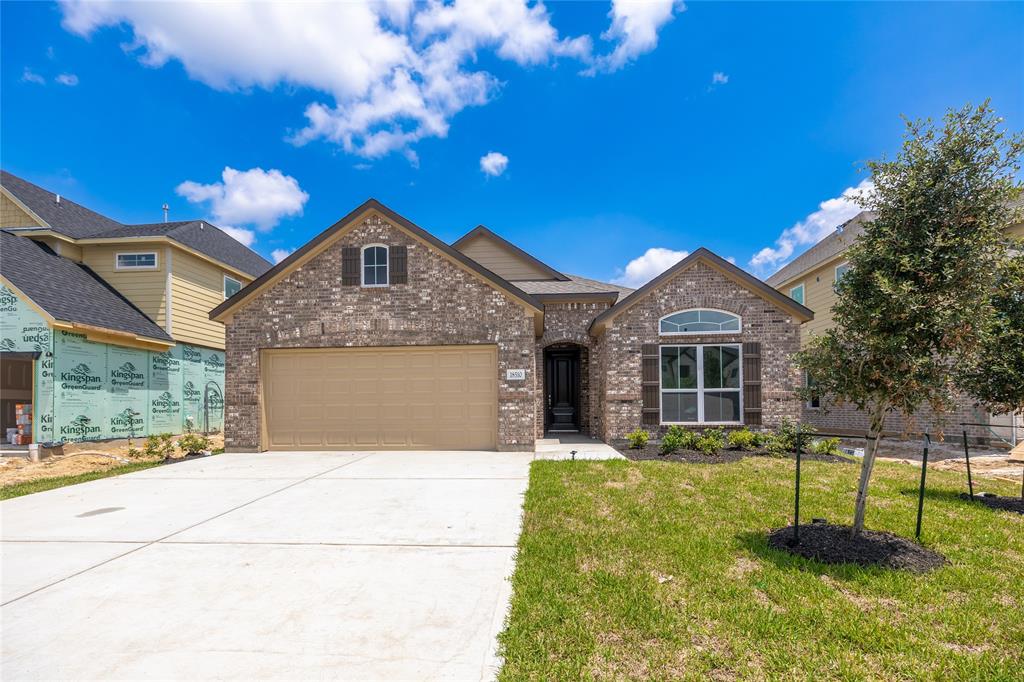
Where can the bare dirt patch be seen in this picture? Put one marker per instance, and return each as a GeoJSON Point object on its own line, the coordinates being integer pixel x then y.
{"type": "Point", "coordinates": [832, 544]}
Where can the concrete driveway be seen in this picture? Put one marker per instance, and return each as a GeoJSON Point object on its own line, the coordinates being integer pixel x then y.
{"type": "Point", "coordinates": [257, 566]}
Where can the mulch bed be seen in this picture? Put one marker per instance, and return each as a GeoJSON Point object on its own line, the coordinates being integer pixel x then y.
{"type": "Point", "coordinates": [832, 544]}
{"type": "Point", "coordinates": [650, 452]}
{"type": "Point", "coordinates": [1014, 504]}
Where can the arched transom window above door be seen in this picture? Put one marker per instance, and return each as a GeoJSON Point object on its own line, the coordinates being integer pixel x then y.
{"type": "Point", "coordinates": [699, 321]}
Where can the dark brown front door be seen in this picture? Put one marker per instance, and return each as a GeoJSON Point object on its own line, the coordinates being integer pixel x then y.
{"type": "Point", "coordinates": [562, 391]}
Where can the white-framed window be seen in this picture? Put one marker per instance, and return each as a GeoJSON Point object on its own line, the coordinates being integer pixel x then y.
{"type": "Point", "coordinates": [815, 402]}
{"type": "Point", "coordinates": [797, 293]}
{"type": "Point", "coordinates": [231, 287]}
{"type": "Point", "coordinates": [841, 271]}
{"type": "Point", "coordinates": [699, 321]}
{"type": "Point", "coordinates": [140, 260]}
{"type": "Point", "coordinates": [375, 265]}
{"type": "Point", "coordinates": [701, 384]}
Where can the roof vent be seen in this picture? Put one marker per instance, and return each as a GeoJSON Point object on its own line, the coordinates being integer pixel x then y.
{"type": "Point", "coordinates": [57, 198]}
{"type": "Point", "coordinates": [165, 208]}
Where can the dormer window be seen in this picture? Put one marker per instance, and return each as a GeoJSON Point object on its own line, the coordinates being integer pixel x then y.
{"type": "Point", "coordinates": [700, 321]}
{"type": "Point", "coordinates": [375, 265]}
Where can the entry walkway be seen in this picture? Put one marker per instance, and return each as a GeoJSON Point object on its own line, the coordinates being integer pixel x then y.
{"type": "Point", "coordinates": [562, 445]}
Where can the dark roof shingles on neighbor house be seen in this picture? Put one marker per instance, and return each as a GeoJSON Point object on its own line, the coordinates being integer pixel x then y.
{"type": "Point", "coordinates": [65, 216]}
{"type": "Point", "coordinates": [78, 222]}
{"type": "Point", "coordinates": [68, 291]}
{"type": "Point", "coordinates": [203, 237]}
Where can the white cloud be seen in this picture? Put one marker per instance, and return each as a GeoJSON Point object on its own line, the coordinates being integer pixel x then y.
{"type": "Point", "coordinates": [68, 79]}
{"type": "Point", "coordinates": [254, 197]}
{"type": "Point", "coordinates": [642, 270]}
{"type": "Point", "coordinates": [30, 76]}
{"type": "Point", "coordinates": [719, 78]}
{"type": "Point", "coordinates": [247, 237]}
{"type": "Point", "coordinates": [634, 28]}
{"type": "Point", "coordinates": [831, 213]}
{"type": "Point", "coordinates": [393, 72]}
{"type": "Point", "coordinates": [278, 255]}
{"type": "Point", "coordinates": [493, 163]}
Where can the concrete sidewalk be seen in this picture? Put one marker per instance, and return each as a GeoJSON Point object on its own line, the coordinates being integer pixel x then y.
{"type": "Point", "coordinates": [266, 566]}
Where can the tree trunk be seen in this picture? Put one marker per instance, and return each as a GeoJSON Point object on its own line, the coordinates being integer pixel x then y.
{"type": "Point", "coordinates": [867, 466]}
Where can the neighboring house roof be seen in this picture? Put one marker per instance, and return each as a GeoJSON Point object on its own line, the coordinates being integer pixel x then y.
{"type": "Point", "coordinates": [78, 222]}
{"type": "Point", "coordinates": [297, 258]}
{"type": "Point", "coordinates": [825, 250]}
{"type": "Point", "coordinates": [739, 276]}
{"type": "Point", "coordinates": [70, 292]}
{"type": "Point", "coordinates": [575, 286]}
{"type": "Point", "coordinates": [483, 231]}
{"type": "Point", "coordinates": [201, 236]}
{"type": "Point", "coordinates": [64, 216]}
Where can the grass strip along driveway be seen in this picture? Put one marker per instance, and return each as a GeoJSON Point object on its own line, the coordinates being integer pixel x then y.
{"type": "Point", "coordinates": [657, 570]}
{"type": "Point", "coordinates": [40, 484]}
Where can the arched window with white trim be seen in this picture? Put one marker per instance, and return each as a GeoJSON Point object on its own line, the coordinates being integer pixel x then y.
{"type": "Point", "coordinates": [699, 321]}
{"type": "Point", "coordinates": [375, 265]}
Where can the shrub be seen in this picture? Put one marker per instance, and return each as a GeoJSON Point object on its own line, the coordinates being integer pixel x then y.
{"type": "Point", "coordinates": [710, 442]}
{"type": "Point", "coordinates": [826, 446]}
{"type": "Point", "coordinates": [671, 442]}
{"type": "Point", "coordinates": [787, 432]}
{"type": "Point", "coordinates": [159, 446]}
{"type": "Point", "coordinates": [638, 439]}
{"type": "Point", "coordinates": [193, 443]}
{"type": "Point", "coordinates": [774, 445]}
{"type": "Point", "coordinates": [686, 438]}
{"type": "Point", "coordinates": [743, 439]}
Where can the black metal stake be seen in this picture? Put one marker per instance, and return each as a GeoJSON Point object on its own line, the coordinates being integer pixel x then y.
{"type": "Point", "coordinates": [920, 496]}
{"type": "Point", "coordinates": [967, 456]}
{"type": "Point", "coordinates": [796, 504]}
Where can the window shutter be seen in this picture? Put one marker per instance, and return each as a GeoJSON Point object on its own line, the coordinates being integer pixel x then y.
{"type": "Point", "coordinates": [397, 265]}
{"type": "Point", "coordinates": [350, 266]}
{"type": "Point", "coordinates": [752, 384]}
{"type": "Point", "coordinates": [650, 384]}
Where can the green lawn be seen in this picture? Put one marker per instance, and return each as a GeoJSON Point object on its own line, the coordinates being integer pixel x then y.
{"type": "Point", "coordinates": [656, 570]}
{"type": "Point", "coordinates": [39, 485]}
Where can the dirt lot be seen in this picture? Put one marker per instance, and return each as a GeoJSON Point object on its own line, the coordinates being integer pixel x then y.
{"type": "Point", "coordinates": [77, 458]}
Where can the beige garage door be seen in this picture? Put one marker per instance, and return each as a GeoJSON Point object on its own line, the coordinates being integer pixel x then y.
{"type": "Point", "coordinates": [430, 398]}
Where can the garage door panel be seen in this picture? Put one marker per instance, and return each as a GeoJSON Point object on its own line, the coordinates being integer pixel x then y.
{"type": "Point", "coordinates": [381, 398]}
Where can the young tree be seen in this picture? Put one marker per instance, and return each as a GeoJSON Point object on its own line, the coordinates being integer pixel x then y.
{"type": "Point", "coordinates": [994, 374]}
{"type": "Point", "coordinates": [916, 295]}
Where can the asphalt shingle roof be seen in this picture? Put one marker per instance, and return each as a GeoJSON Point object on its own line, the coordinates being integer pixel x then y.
{"type": "Point", "coordinates": [69, 291]}
{"type": "Point", "coordinates": [65, 217]}
{"type": "Point", "coordinates": [204, 238]}
{"type": "Point", "coordinates": [829, 247]}
{"type": "Point", "coordinates": [76, 221]}
{"type": "Point", "coordinates": [574, 285]}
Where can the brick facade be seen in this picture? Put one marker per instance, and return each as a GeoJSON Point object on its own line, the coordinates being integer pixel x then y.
{"type": "Point", "coordinates": [847, 418]}
{"type": "Point", "coordinates": [617, 353]}
{"type": "Point", "coordinates": [441, 304]}
{"type": "Point", "coordinates": [445, 304]}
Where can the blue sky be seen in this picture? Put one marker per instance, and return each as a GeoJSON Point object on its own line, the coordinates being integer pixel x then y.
{"type": "Point", "coordinates": [621, 146]}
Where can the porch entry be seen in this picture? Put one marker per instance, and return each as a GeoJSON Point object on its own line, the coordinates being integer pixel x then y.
{"type": "Point", "coordinates": [562, 390]}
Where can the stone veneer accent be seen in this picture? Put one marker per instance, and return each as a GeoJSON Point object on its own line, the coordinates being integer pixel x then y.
{"type": "Point", "coordinates": [617, 351]}
{"type": "Point", "coordinates": [442, 304]}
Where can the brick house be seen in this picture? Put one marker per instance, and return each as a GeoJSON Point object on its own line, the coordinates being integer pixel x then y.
{"type": "Point", "coordinates": [378, 335]}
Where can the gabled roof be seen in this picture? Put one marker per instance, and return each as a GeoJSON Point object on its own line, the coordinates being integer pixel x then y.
{"type": "Point", "coordinates": [78, 222]}
{"type": "Point", "coordinates": [734, 273]}
{"type": "Point", "coordinates": [482, 231]}
{"type": "Point", "coordinates": [828, 248]}
{"type": "Point", "coordinates": [201, 236]}
{"type": "Point", "coordinates": [69, 291]}
{"type": "Point", "coordinates": [298, 257]}
{"type": "Point", "coordinates": [65, 216]}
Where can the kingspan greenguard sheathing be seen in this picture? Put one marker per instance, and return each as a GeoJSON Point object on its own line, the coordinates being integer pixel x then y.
{"type": "Point", "coordinates": [87, 390]}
